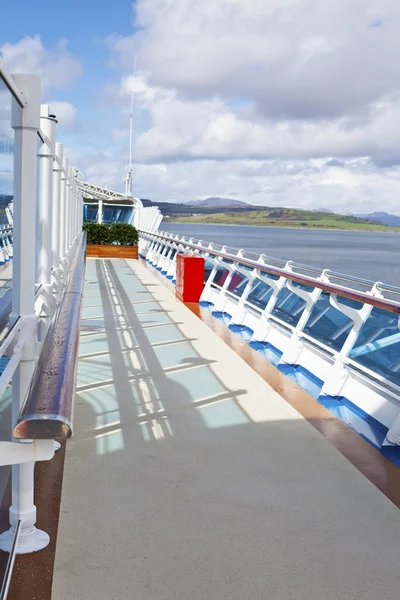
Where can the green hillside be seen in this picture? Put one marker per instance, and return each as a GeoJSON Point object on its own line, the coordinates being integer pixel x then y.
{"type": "Point", "coordinates": [283, 217]}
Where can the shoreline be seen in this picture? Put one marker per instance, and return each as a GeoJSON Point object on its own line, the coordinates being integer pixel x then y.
{"type": "Point", "coordinates": [383, 230]}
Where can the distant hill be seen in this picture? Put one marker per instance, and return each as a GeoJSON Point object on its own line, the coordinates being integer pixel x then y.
{"type": "Point", "coordinates": [219, 202]}
{"type": "Point", "coordinates": [247, 214]}
{"type": "Point", "coordinates": [171, 209]}
{"type": "Point", "coordinates": [382, 217]}
{"type": "Point", "coordinates": [283, 217]}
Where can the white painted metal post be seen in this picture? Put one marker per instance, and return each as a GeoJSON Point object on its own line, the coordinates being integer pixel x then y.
{"type": "Point", "coordinates": [80, 214]}
{"type": "Point", "coordinates": [67, 208]}
{"type": "Point", "coordinates": [46, 157]}
{"type": "Point", "coordinates": [78, 204]}
{"type": "Point", "coordinates": [75, 209]}
{"type": "Point", "coordinates": [78, 201]}
{"type": "Point", "coordinates": [81, 211]}
{"type": "Point", "coordinates": [26, 124]}
{"type": "Point", "coordinates": [137, 212]}
{"type": "Point", "coordinates": [63, 208]}
{"type": "Point", "coordinates": [70, 207]}
{"type": "Point", "coordinates": [100, 212]}
{"type": "Point", "coordinates": [73, 205]}
{"type": "Point", "coordinates": [56, 220]}
{"type": "Point", "coordinates": [56, 228]}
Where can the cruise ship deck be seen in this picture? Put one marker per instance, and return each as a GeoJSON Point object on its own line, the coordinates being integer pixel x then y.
{"type": "Point", "coordinates": [189, 476]}
{"type": "Point", "coordinates": [243, 446]}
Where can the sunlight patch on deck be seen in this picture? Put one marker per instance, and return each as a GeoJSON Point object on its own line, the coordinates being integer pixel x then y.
{"type": "Point", "coordinates": [190, 477]}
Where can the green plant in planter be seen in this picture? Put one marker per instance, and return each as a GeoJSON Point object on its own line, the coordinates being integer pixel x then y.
{"type": "Point", "coordinates": [97, 233]}
{"type": "Point", "coordinates": [120, 234]}
{"type": "Point", "coordinates": [123, 234]}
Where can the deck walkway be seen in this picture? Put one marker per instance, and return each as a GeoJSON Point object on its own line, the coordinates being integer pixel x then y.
{"type": "Point", "coordinates": [189, 478]}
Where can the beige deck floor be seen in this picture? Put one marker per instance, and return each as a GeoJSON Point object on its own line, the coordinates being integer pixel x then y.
{"type": "Point", "coordinates": [188, 477]}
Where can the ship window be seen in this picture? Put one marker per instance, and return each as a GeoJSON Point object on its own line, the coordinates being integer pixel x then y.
{"type": "Point", "coordinates": [117, 214]}
{"type": "Point", "coordinates": [90, 212]}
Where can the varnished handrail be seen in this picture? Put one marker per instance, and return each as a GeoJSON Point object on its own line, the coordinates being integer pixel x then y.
{"type": "Point", "coordinates": [48, 409]}
{"type": "Point", "coordinates": [363, 297]}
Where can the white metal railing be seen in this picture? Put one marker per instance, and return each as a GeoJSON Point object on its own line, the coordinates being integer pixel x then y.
{"type": "Point", "coordinates": [283, 306]}
{"type": "Point", "coordinates": [43, 240]}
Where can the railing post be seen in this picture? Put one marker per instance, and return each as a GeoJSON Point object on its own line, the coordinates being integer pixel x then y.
{"type": "Point", "coordinates": [77, 212]}
{"type": "Point", "coordinates": [67, 206]}
{"type": "Point", "coordinates": [70, 207]}
{"type": "Point", "coordinates": [338, 375]}
{"type": "Point", "coordinates": [63, 208]}
{"type": "Point", "coordinates": [80, 210]}
{"type": "Point", "coordinates": [57, 212]}
{"type": "Point", "coordinates": [100, 211]}
{"type": "Point", "coordinates": [46, 157]}
{"type": "Point", "coordinates": [73, 205]}
{"type": "Point", "coordinates": [26, 123]}
{"type": "Point", "coordinates": [75, 209]}
{"type": "Point", "coordinates": [293, 351]}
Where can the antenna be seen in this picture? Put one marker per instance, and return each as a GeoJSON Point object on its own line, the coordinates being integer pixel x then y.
{"type": "Point", "coordinates": [128, 188]}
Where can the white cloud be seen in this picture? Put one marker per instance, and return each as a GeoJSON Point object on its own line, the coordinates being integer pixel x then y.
{"type": "Point", "coordinates": [65, 113]}
{"type": "Point", "coordinates": [285, 102]}
{"type": "Point", "coordinates": [56, 66]}
{"type": "Point", "coordinates": [352, 185]}
{"type": "Point", "coordinates": [282, 102]}
{"type": "Point", "coordinates": [201, 129]}
{"type": "Point", "coordinates": [293, 58]}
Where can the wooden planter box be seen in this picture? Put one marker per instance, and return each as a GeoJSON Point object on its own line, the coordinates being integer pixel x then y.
{"type": "Point", "coordinates": [105, 251]}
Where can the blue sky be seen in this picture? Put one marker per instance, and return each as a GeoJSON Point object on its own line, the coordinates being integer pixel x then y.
{"type": "Point", "coordinates": [284, 102]}
{"type": "Point", "coordinates": [84, 25]}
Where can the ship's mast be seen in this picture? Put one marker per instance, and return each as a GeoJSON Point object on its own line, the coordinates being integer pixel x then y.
{"type": "Point", "coordinates": [128, 180]}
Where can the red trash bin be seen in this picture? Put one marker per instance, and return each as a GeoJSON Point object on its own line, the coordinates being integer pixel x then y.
{"type": "Point", "coordinates": [189, 277]}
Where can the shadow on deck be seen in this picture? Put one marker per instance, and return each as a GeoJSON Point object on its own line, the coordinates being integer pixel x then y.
{"type": "Point", "coordinates": [189, 477]}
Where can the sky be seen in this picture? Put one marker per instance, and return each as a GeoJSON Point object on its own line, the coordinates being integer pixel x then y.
{"type": "Point", "coordinates": [278, 102]}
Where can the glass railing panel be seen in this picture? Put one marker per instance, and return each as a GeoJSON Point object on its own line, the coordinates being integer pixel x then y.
{"type": "Point", "coordinates": [351, 303]}
{"type": "Point", "coordinates": [260, 294]}
{"type": "Point", "coordinates": [6, 197]}
{"type": "Point", "coordinates": [6, 152]}
{"type": "Point", "coordinates": [328, 325]}
{"type": "Point", "coordinates": [238, 284]}
{"type": "Point", "coordinates": [288, 307]}
{"type": "Point", "coordinates": [208, 267]}
{"type": "Point", "coordinates": [6, 193]}
{"type": "Point", "coordinates": [220, 276]}
{"type": "Point", "coordinates": [378, 345]}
